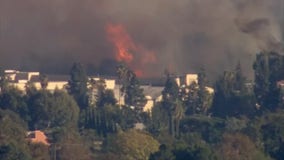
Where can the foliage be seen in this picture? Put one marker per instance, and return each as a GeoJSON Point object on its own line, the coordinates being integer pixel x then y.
{"type": "Point", "coordinates": [238, 147]}
{"type": "Point", "coordinates": [43, 81]}
{"type": "Point", "coordinates": [56, 109]}
{"type": "Point", "coordinates": [3, 80]}
{"type": "Point", "coordinates": [234, 124]}
{"type": "Point", "coordinates": [210, 128]}
{"type": "Point", "coordinates": [159, 120]}
{"type": "Point", "coordinates": [269, 70]}
{"type": "Point", "coordinates": [232, 97]}
{"type": "Point", "coordinates": [271, 127]}
{"type": "Point", "coordinates": [191, 98]}
{"type": "Point", "coordinates": [77, 85]}
{"type": "Point", "coordinates": [204, 100]}
{"type": "Point", "coordinates": [14, 100]}
{"type": "Point", "coordinates": [39, 151]}
{"type": "Point", "coordinates": [194, 152]}
{"type": "Point", "coordinates": [102, 95]}
{"type": "Point", "coordinates": [182, 122]}
{"type": "Point", "coordinates": [133, 145]}
{"type": "Point", "coordinates": [104, 119]}
{"type": "Point", "coordinates": [171, 102]}
{"type": "Point", "coordinates": [163, 154]}
{"type": "Point", "coordinates": [12, 137]}
{"type": "Point", "coordinates": [130, 88]}
{"type": "Point", "coordinates": [68, 144]}
{"type": "Point", "coordinates": [12, 151]}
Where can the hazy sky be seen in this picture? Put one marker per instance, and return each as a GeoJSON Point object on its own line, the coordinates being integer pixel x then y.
{"type": "Point", "coordinates": [184, 35]}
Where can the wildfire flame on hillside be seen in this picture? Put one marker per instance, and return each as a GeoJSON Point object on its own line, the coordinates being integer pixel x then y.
{"type": "Point", "coordinates": [126, 50]}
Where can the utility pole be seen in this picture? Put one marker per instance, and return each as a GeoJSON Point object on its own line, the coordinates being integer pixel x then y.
{"type": "Point", "coordinates": [282, 18]}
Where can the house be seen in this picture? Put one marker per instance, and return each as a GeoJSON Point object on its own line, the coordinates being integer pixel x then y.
{"type": "Point", "coordinates": [109, 81]}
{"type": "Point", "coordinates": [152, 94]}
{"type": "Point", "coordinates": [20, 79]}
{"type": "Point", "coordinates": [118, 95]}
{"type": "Point", "coordinates": [188, 79]}
{"type": "Point", "coordinates": [37, 137]}
{"type": "Point", "coordinates": [54, 82]}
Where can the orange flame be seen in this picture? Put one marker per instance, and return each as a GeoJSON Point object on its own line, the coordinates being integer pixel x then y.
{"type": "Point", "coordinates": [122, 41]}
{"type": "Point", "coordinates": [126, 50]}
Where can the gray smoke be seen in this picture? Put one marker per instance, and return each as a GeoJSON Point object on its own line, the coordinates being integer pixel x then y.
{"type": "Point", "coordinates": [185, 34]}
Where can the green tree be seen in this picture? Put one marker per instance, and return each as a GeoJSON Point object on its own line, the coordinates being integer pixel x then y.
{"type": "Point", "coordinates": [102, 95]}
{"type": "Point", "coordinates": [133, 145]}
{"type": "Point", "coordinates": [3, 80]}
{"type": "Point", "coordinates": [204, 100]}
{"type": "Point", "coordinates": [68, 144]}
{"type": "Point", "coordinates": [200, 151]}
{"type": "Point", "coordinates": [131, 89]}
{"type": "Point", "coordinates": [107, 98]}
{"type": "Point", "coordinates": [239, 147]}
{"type": "Point", "coordinates": [77, 85]}
{"type": "Point", "coordinates": [159, 120]}
{"type": "Point", "coordinates": [13, 144]}
{"type": "Point", "coordinates": [191, 98]}
{"type": "Point", "coordinates": [240, 79]}
{"type": "Point", "coordinates": [163, 154]}
{"type": "Point", "coordinates": [270, 127]}
{"type": "Point", "coordinates": [232, 98]}
{"type": "Point", "coordinates": [39, 151]}
{"type": "Point", "coordinates": [30, 89]}
{"type": "Point", "coordinates": [103, 119]}
{"type": "Point", "coordinates": [14, 100]}
{"type": "Point", "coordinates": [196, 97]}
{"type": "Point", "coordinates": [269, 70]}
{"type": "Point", "coordinates": [209, 128]}
{"type": "Point", "coordinates": [56, 109]}
{"type": "Point", "coordinates": [170, 96]}
{"type": "Point", "coordinates": [43, 81]}
{"type": "Point", "coordinates": [177, 116]}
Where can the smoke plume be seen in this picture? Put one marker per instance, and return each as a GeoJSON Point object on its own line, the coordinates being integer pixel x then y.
{"type": "Point", "coordinates": [184, 35]}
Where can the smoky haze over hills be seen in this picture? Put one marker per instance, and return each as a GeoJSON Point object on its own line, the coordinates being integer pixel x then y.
{"type": "Point", "coordinates": [184, 35]}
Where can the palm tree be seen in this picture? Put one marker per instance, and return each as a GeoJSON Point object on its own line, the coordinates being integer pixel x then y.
{"type": "Point", "coordinates": [178, 115]}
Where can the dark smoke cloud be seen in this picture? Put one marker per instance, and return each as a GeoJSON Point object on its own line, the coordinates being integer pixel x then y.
{"type": "Point", "coordinates": [185, 34]}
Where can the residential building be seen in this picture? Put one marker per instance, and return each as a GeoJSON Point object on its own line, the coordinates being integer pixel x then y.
{"type": "Point", "coordinates": [37, 137]}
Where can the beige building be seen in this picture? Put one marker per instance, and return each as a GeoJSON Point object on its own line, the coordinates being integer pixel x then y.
{"type": "Point", "coordinates": [20, 79]}
{"type": "Point", "coordinates": [109, 82]}
{"type": "Point", "coordinates": [153, 94]}
{"type": "Point", "coordinates": [188, 79]}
